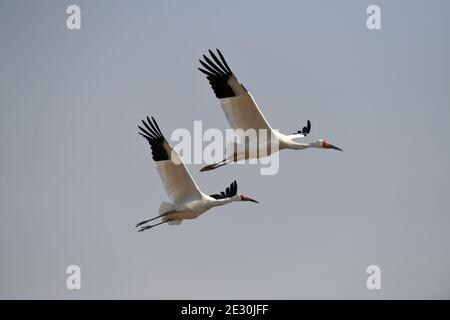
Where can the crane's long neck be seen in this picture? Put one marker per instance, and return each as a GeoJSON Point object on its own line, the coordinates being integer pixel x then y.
{"type": "Point", "coordinates": [299, 146]}
{"type": "Point", "coordinates": [221, 202]}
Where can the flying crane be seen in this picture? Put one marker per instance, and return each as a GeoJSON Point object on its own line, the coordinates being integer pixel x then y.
{"type": "Point", "coordinates": [242, 112]}
{"type": "Point", "coordinates": [187, 200]}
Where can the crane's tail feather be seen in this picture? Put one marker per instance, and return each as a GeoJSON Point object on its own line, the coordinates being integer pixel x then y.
{"type": "Point", "coordinates": [166, 207]}
{"type": "Point", "coordinates": [174, 222]}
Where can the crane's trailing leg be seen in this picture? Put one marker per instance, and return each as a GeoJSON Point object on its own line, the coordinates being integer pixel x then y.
{"type": "Point", "coordinates": [214, 166]}
{"type": "Point", "coordinates": [145, 221]}
{"type": "Point", "coordinates": [153, 225]}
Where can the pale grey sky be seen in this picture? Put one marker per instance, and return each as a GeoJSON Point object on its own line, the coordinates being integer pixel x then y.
{"type": "Point", "coordinates": [76, 177]}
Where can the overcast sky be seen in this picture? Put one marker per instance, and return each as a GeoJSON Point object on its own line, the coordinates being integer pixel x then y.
{"type": "Point", "coordinates": [75, 177]}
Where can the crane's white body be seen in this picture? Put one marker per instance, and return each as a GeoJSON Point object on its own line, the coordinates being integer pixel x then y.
{"type": "Point", "coordinates": [243, 113]}
{"type": "Point", "coordinates": [188, 201]}
{"type": "Point", "coordinates": [192, 209]}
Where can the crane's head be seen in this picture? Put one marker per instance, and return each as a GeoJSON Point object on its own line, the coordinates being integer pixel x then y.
{"type": "Point", "coordinates": [241, 197]}
{"type": "Point", "coordinates": [322, 143]}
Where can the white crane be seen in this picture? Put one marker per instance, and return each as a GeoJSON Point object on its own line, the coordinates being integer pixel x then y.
{"type": "Point", "coordinates": [243, 113]}
{"type": "Point", "coordinates": [188, 201]}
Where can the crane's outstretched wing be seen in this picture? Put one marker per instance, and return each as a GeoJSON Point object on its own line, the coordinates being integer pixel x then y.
{"type": "Point", "coordinates": [301, 133]}
{"type": "Point", "coordinates": [177, 180]}
{"type": "Point", "coordinates": [230, 191]}
{"type": "Point", "coordinates": [239, 106]}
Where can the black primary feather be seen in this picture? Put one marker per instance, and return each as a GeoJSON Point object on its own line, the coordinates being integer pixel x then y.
{"type": "Point", "coordinates": [230, 191]}
{"type": "Point", "coordinates": [306, 130]}
{"type": "Point", "coordinates": [155, 138]}
{"type": "Point", "coordinates": [218, 73]}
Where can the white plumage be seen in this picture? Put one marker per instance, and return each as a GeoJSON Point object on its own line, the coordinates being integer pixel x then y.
{"type": "Point", "coordinates": [188, 201]}
{"type": "Point", "coordinates": [242, 112]}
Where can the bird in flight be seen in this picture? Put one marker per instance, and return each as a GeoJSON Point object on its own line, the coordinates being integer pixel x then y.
{"type": "Point", "coordinates": [187, 200]}
{"type": "Point", "coordinates": [242, 112]}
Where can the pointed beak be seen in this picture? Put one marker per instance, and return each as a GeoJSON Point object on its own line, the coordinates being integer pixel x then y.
{"type": "Point", "coordinates": [330, 146]}
{"type": "Point", "coordinates": [244, 198]}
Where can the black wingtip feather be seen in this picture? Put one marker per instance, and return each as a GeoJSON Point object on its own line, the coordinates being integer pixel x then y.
{"type": "Point", "coordinates": [154, 136]}
{"type": "Point", "coordinates": [215, 67]}
{"type": "Point", "coordinates": [218, 73]}
{"type": "Point", "coordinates": [157, 126]}
{"type": "Point", "coordinates": [306, 129]}
{"type": "Point", "coordinates": [230, 191]}
{"type": "Point", "coordinates": [223, 60]}
{"type": "Point", "coordinates": [206, 72]}
{"type": "Point", "coordinates": [211, 71]}
{"type": "Point", "coordinates": [217, 61]}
